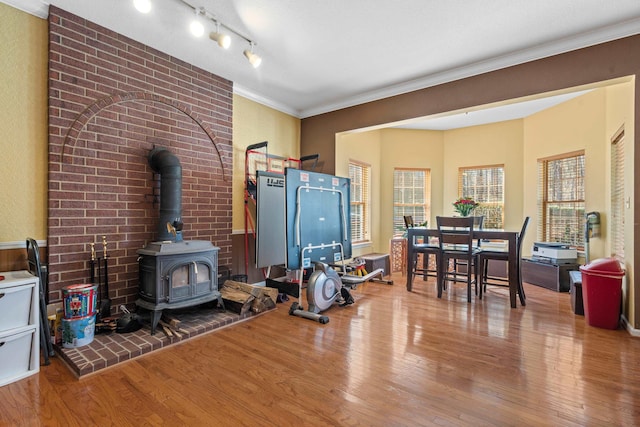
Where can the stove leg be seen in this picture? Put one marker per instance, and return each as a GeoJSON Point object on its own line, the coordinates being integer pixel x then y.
{"type": "Point", "coordinates": [155, 318]}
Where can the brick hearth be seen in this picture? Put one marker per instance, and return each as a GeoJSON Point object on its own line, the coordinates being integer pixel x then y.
{"type": "Point", "coordinates": [110, 349]}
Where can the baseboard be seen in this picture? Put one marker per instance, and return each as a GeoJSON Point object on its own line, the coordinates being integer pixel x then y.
{"type": "Point", "coordinates": [633, 331]}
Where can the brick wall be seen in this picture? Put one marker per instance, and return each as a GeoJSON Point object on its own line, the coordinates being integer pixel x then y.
{"type": "Point", "coordinates": [111, 100]}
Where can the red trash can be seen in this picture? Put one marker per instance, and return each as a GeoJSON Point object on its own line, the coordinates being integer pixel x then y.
{"type": "Point", "coordinates": [602, 292]}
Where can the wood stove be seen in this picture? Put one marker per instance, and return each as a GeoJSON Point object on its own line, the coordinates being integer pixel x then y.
{"type": "Point", "coordinates": [177, 275]}
{"type": "Point", "coordinates": [174, 273]}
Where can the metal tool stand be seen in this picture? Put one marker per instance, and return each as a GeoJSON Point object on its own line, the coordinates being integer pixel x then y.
{"type": "Point", "coordinates": [38, 270]}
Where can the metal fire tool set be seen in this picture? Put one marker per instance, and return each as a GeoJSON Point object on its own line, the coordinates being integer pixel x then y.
{"type": "Point", "coordinates": [100, 265]}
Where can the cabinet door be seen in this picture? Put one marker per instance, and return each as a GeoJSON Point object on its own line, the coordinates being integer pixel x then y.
{"type": "Point", "coordinates": [15, 355]}
{"type": "Point", "coordinates": [15, 305]}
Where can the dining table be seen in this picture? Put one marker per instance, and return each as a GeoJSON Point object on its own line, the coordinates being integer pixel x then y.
{"type": "Point", "coordinates": [510, 237]}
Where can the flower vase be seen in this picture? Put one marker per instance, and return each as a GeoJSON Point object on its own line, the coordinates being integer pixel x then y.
{"type": "Point", "coordinates": [465, 212]}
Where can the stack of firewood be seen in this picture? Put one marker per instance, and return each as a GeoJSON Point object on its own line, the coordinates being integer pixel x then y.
{"type": "Point", "coordinates": [171, 326]}
{"type": "Point", "coordinates": [241, 297]}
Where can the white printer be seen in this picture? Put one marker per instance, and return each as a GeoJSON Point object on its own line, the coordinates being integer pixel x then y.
{"type": "Point", "coordinates": [554, 252]}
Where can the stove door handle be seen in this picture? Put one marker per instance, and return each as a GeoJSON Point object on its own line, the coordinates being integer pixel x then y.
{"type": "Point", "coordinates": [195, 267]}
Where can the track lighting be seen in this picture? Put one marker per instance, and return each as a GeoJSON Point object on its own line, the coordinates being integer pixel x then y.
{"type": "Point", "coordinates": [143, 6]}
{"type": "Point", "coordinates": [254, 59]}
{"type": "Point", "coordinates": [197, 28]}
{"type": "Point", "coordinates": [223, 40]}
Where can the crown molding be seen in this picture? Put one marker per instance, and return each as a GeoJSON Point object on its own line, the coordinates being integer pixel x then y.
{"type": "Point", "coordinates": [38, 8]}
{"type": "Point", "coordinates": [253, 96]}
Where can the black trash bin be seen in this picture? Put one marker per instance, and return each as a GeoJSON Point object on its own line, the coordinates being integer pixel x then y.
{"type": "Point", "coordinates": [577, 306]}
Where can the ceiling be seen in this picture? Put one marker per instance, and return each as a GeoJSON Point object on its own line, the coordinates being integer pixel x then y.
{"type": "Point", "coordinates": [320, 56]}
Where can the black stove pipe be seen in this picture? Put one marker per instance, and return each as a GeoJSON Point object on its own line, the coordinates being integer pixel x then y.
{"type": "Point", "coordinates": [163, 162]}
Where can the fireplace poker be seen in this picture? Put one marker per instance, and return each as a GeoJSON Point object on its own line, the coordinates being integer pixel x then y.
{"type": "Point", "coordinates": [105, 305]}
{"type": "Point", "coordinates": [92, 264]}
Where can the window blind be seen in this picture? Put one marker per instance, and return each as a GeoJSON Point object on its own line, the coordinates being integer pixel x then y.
{"type": "Point", "coordinates": [561, 191]}
{"type": "Point", "coordinates": [485, 185]}
{"type": "Point", "coordinates": [359, 174]}
{"type": "Point", "coordinates": [617, 196]}
{"type": "Point", "coordinates": [411, 196]}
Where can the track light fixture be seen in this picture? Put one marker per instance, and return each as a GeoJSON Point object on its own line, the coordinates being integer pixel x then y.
{"type": "Point", "coordinates": [223, 40]}
{"type": "Point", "coordinates": [143, 6]}
{"type": "Point", "coordinates": [254, 59]}
{"type": "Point", "coordinates": [197, 28]}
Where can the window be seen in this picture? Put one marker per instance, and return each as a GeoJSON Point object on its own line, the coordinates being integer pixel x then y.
{"type": "Point", "coordinates": [411, 196]}
{"type": "Point", "coordinates": [617, 196]}
{"type": "Point", "coordinates": [561, 196]}
{"type": "Point", "coordinates": [485, 185]}
{"type": "Point", "coordinates": [359, 174]}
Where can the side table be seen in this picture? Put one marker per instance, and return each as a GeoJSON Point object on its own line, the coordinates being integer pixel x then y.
{"type": "Point", "coordinates": [398, 253]}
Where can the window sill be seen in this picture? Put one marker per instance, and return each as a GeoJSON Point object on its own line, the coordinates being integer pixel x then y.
{"type": "Point", "coordinates": [361, 244]}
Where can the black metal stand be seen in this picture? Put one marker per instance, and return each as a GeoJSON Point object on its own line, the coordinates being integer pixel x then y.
{"type": "Point", "coordinates": [35, 268]}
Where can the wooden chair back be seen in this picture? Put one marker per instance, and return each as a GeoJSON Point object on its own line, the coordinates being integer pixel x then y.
{"type": "Point", "coordinates": [455, 233]}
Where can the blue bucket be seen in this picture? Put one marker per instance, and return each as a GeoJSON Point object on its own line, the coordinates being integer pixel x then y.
{"type": "Point", "coordinates": [79, 331]}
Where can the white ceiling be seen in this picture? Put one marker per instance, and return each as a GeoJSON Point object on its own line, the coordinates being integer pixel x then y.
{"type": "Point", "coordinates": [320, 56]}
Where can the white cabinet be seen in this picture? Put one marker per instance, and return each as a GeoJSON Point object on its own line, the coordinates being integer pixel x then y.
{"type": "Point", "coordinates": [19, 326]}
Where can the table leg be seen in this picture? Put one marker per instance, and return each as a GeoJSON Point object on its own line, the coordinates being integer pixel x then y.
{"type": "Point", "coordinates": [409, 265]}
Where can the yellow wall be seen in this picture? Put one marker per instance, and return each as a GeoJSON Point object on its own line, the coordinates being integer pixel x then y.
{"type": "Point", "coordinates": [23, 125]}
{"type": "Point", "coordinates": [578, 124]}
{"type": "Point", "coordinates": [486, 145]}
{"type": "Point", "coordinates": [254, 123]}
{"type": "Point", "coordinates": [363, 147]}
{"type": "Point", "coordinates": [410, 149]}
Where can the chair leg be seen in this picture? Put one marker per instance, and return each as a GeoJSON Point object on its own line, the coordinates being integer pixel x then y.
{"type": "Point", "coordinates": [474, 263]}
{"type": "Point", "coordinates": [483, 276]}
{"type": "Point", "coordinates": [414, 260]}
{"type": "Point", "coordinates": [438, 275]}
{"type": "Point", "coordinates": [485, 273]}
{"type": "Point", "coordinates": [469, 282]}
{"type": "Point", "coordinates": [441, 276]}
{"type": "Point", "coordinates": [475, 275]}
{"type": "Point", "coordinates": [523, 297]}
{"type": "Point", "coordinates": [425, 266]}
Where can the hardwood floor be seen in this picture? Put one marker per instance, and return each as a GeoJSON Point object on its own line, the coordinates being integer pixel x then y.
{"type": "Point", "coordinates": [394, 358]}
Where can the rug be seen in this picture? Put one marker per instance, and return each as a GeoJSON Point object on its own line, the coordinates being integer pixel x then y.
{"type": "Point", "coordinates": [107, 350]}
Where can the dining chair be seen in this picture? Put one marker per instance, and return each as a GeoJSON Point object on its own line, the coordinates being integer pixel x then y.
{"type": "Point", "coordinates": [427, 250]}
{"type": "Point", "coordinates": [461, 265]}
{"type": "Point", "coordinates": [486, 255]}
{"type": "Point", "coordinates": [455, 239]}
{"type": "Point", "coordinates": [408, 221]}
